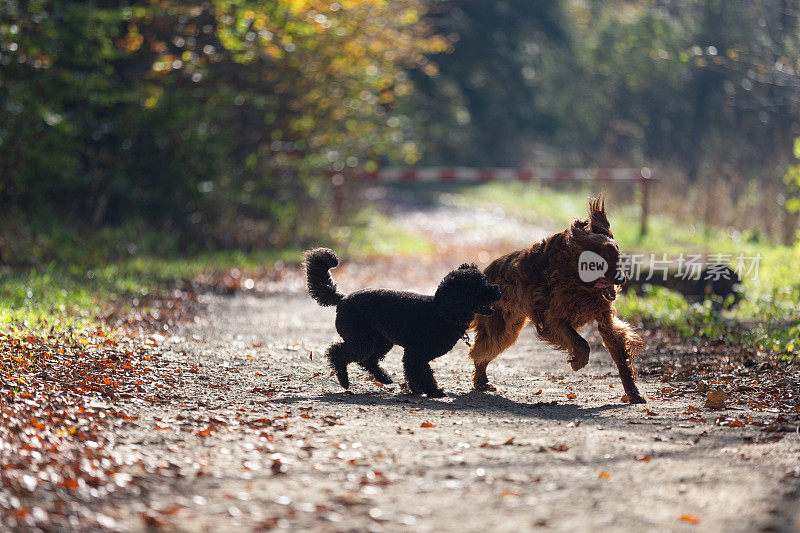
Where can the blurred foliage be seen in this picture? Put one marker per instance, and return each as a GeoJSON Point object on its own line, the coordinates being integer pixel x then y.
{"type": "Point", "coordinates": [481, 104]}
{"type": "Point", "coordinates": [709, 87]}
{"type": "Point", "coordinates": [213, 122]}
{"type": "Point", "coordinates": [792, 179]}
{"type": "Point", "coordinates": [217, 123]}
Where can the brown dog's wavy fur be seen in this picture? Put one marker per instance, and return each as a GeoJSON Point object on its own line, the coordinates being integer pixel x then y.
{"type": "Point", "coordinates": [541, 284]}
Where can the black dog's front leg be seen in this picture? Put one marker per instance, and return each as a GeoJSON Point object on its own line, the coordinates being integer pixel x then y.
{"type": "Point", "coordinates": [376, 371]}
{"type": "Point", "coordinates": [419, 375]}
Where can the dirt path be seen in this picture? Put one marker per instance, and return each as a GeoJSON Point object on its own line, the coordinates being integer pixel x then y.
{"type": "Point", "coordinates": [256, 435]}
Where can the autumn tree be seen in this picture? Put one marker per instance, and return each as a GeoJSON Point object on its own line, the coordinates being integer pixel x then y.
{"type": "Point", "coordinates": [208, 118]}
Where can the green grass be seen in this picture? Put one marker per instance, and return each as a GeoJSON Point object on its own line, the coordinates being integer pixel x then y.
{"type": "Point", "coordinates": [373, 233]}
{"type": "Point", "coordinates": [767, 316]}
{"type": "Point", "coordinates": [554, 209]}
{"type": "Point", "coordinates": [75, 295]}
{"type": "Point", "coordinates": [75, 292]}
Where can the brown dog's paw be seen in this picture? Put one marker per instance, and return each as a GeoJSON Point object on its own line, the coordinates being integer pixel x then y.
{"type": "Point", "coordinates": [578, 361]}
{"type": "Point", "coordinates": [579, 356]}
{"type": "Point", "coordinates": [484, 387]}
{"type": "Point", "coordinates": [633, 398]}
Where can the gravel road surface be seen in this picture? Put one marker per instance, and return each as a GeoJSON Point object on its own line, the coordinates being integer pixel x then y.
{"type": "Point", "coordinates": [256, 435]}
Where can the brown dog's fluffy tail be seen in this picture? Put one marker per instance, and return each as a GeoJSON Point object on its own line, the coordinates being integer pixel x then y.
{"type": "Point", "coordinates": [317, 264]}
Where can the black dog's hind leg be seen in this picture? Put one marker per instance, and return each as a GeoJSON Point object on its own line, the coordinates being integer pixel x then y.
{"type": "Point", "coordinates": [371, 364]}
{"type": "Point", "coordinates": [419, 375]}
{"type": "Point", "coordinates": [339, 357]}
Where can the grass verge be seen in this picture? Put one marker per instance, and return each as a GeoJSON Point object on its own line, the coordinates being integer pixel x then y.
{"type": "Point", "coordinates": [77, 294]}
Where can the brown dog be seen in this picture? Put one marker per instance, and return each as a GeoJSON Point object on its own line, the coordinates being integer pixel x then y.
{"type": "Point", "coordinates": [560, 285]}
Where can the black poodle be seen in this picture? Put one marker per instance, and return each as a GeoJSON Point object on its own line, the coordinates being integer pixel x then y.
{"type": "Point", "coordinates": [371, 321]}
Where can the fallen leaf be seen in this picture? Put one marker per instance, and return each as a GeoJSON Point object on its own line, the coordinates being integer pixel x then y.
{"type": "Point", "coordinates": [427, 425]}
{"type": "Point", "coordinates": [572, 396]}
{"type": "Point", "coordinates": [152, 520]}
{"type": "Point", "coordinates": [716, 399]}
{"type": "Point", "coordinates": [70, 483]}
{"type": "Point", "coordinates": [690, 518]}
{"type": "Point", "coordinates": [330, 420]}
{"type": "Point", "coordinates": [604, 475]}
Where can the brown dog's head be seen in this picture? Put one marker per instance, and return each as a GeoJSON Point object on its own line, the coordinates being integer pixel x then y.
{"type": "Point", "coordinates": [597, 254]}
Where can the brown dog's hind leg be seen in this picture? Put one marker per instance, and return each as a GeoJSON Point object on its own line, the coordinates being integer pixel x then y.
{"type": "Point", "coordinates": [623, 344]}
{"type": "Point", "coordinates": [493, 334]}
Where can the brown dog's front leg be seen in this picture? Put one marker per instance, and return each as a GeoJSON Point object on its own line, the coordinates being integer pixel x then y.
{"type": "Point", "coordinates": [623, 344]}
{"type": "Point", "coordinates": [562, 336]}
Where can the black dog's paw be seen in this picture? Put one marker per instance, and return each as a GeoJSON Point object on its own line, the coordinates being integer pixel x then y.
{"type": "Point", "coordinates": [411, 388]}
{"type": "Point", "coordinates": [341, 375]}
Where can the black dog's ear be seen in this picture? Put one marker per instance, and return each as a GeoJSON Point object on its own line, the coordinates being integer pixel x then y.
{"type": "Point", "coordinates": [467, 266]}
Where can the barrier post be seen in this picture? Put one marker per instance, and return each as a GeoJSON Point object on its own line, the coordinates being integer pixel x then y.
{"type": "Point", "coordinates": [644, 180]}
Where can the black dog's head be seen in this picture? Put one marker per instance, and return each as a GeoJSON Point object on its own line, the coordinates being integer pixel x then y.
{"type": "Point", "coordinates": [463, 293]}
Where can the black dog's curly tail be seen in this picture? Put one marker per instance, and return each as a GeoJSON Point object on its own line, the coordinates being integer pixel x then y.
{"type": "Point", "coordinates": [317, 264]}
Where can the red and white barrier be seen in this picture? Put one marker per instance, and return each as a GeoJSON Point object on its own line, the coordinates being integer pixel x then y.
{"type": "Point", "coordinates": [467, 174]}
{"type": "Point", "coordinates": [478, 175]}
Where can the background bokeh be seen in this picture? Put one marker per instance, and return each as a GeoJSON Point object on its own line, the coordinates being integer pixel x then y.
{"type": "Point", "coordinates": [163, 126]}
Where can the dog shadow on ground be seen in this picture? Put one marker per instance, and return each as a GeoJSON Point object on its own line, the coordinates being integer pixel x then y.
{"type": "Point", "coordinates": [471, 401]}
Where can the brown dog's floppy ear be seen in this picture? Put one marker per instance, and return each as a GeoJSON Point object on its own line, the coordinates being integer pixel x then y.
{"type": "Point", "coordinates": [609, 246]}
{"type": "Point", "coordinates": [579, 229]}
{"type": "Point", "coordinates": [597, 216]}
